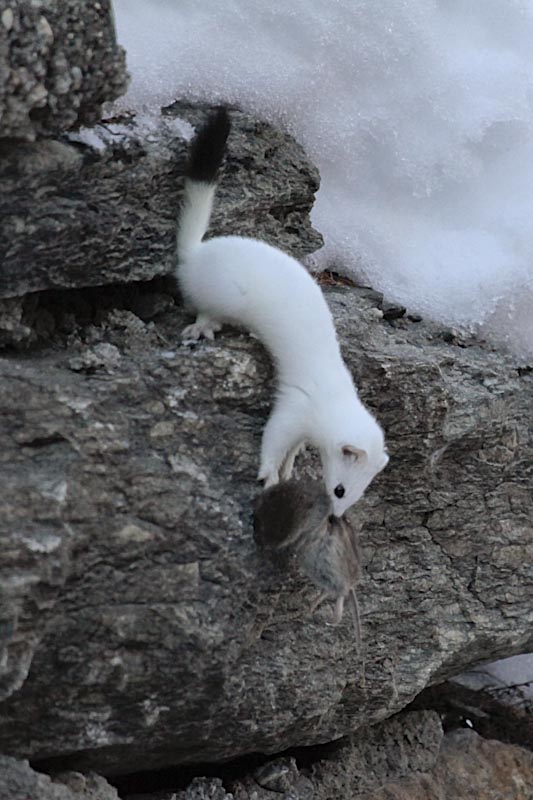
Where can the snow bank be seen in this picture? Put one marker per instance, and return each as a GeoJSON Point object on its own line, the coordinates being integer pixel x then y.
{"type": "Point", "coordinates": [418, 113]}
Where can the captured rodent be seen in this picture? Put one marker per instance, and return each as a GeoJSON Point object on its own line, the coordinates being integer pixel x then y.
{"type": "Point", "coordinates": [298, 515]}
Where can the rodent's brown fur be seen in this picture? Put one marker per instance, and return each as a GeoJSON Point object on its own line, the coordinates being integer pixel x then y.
{"type": "Point", "coordinates": [297, 515]}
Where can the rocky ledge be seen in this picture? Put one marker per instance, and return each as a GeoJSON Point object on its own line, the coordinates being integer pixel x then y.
{"type": "Point", "coordinates": [109, 199]}
{"type": "Point", "coordinates": [141, 625]}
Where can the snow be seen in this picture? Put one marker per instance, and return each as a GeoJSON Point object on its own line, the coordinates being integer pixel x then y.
{"type": "Point", "coordinates": [418, 113]}
{"type": "Point", "coordinates": [145, 125]}
{"type": "Point", "coordinates": [516, 671]}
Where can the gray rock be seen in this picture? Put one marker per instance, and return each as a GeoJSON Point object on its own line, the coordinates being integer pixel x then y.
{"type": "Point", "coordinates": [18, 781]}
{"type": "Point", "coordinates": [468, 767]}
{"type": "Point", "coordinates": [109, 214]}
{"type": "Point", "coordinates": [380, 754]}
{"type": "Point", "coordinates": [101, 356]}
{"type": "Point", "coordinates": [392, 310]}
{"type": "Point", "coordinates": [386, 752]}
{"type": "Point", "coordinates": [34, 560]}
{"type": "Point", "coordinates": [12, 328]}
{"type": "Point", "coordinates": [206, 789]}
{"type": "Point", "coordinates": [171, 640]}
{"type": "Point", "coordinates": [278, 775]}
{"type": "Point", "coordinates": [406, 758]}
{"type": "Point", "coordinates": [59, 62]}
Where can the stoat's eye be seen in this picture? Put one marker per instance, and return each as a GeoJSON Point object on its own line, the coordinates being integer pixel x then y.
{"type": "Point", "coordinates": [339, 490]}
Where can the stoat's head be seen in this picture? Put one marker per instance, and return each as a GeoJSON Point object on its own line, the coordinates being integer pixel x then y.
{"type": "Point", "coordinates": [349, 467]}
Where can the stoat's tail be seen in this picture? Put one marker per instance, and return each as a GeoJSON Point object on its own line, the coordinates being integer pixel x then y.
{"type": "Point", "coordinates": [205, 157]}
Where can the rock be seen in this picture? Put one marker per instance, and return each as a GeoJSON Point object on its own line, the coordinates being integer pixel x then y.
{"type": "Point", "coordinates": [12, 327]}
{"type": "Point", "coordinates": [405, 758]}
{"type": "Point", "coordinates": [277, 776]}
{"type": "Point", "coordinates": [392, 310]}
{"type": "Point", "coordinates": [18, 781]}
{"type": "Point", "coordinates": [468, 767]}
{"type": "Point", "coordinates": [206, 789]}
{"type": "Point", "coordinates": [109, 215]}
{"type": "Point", "coordinates": [34, 560]}
{"type": "Point", "coordinates": [101, 356]}
{"type": "Point", "coordinates": [380, 754]}
{"type": "Point", "coordinates": [59, 62]}
{"type": "Point", "coordinates": [506, 716]}
{"type": "Point", "coordinates": [368, 759]}
{"type": "Point", "coordinates": [170, 640]}
{"type": "Point", "coordinates": [198, 789]}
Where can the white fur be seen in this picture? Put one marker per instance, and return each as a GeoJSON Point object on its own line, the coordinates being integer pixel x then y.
{"type": "Point", "coordinates": [248, 283]}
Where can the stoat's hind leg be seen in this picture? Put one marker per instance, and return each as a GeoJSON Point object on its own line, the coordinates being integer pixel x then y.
{"type": "Point", "coordinates": [204, 326]}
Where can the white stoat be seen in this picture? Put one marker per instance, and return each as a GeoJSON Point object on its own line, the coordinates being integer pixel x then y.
{"type": "Point", "coordinates": [245, 282]}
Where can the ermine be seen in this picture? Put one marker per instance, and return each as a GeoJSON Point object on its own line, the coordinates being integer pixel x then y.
{"type": "Point", "coordinates": [248, 283]}
{"type": "Point", "coordinates": [297, 516]}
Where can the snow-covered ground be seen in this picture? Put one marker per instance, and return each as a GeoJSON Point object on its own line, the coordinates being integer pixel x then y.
{"type": "Point", "coordinates": [418, 113]}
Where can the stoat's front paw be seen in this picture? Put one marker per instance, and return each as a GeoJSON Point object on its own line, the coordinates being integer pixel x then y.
{"type": "Point", "coordinates": [287, 467]}
{"type": "Point", "coordinates": [269, 475]}
{"type": "Point", "coordinates": [204, 326]}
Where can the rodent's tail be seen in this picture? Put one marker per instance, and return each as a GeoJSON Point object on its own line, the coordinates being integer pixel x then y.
{"type": "Point", "coordinates": [205, 157]}
{"type": "Point", "coordinates": [356, 617]}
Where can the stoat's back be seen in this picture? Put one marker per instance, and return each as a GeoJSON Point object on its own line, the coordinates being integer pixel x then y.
{"type": "Point", "coordinates": [249, 283]}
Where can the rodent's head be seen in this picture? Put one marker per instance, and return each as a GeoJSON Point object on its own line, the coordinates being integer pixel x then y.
{"type": "Point", "coordinates": [348, 470]}
{"type": "Point", "coordinates": [287, 511]}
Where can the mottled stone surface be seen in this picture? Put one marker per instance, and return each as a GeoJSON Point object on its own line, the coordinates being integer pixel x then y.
{"type": "Point", "coordinates": [469, 767]}
{"type": "Point", "coordinates": [386, 752]}
{"type": "Point", "coordinates": [33, 568]}
{"type": "Point", "coordinates": [59, 62]}
{"type": "Point", "coordinates": [18, 781]}
{"type": "Point", "coordinates": [107, 213]}
{"type": "Point", "coordinates": [405, 758]}
{"type": "Point", "coordinates": [171, 640]}
{"type": "Point", "coordinates": [389, 751]}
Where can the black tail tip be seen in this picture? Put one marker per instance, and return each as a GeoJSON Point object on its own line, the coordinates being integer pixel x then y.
{"type": "Point", "coordinates": [220, 119]}
{"type": "Point", "coordinates": [208, 147]}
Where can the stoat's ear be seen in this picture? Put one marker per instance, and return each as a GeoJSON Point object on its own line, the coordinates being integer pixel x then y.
{"type": "Point", "coordinates": [384, 461]}
{"type": "Point", "coordinates": [353, 452]}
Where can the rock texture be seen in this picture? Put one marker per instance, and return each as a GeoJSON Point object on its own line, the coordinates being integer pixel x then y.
{"type": "Point", "coordinates": [139, 625]}
{"type": "Point", "coordinates": [107, 211]}
{"type": "Point", "coordinates": [468, 767]}
{"type": "Point", "coordinates": [33, 569]}
{"type": "Point", "coordinates": [406, 758]}
{"type": "Point", "coordinates": [59, 62]}
{"type": "Point", "coordinates": [387, 752]}
{"type": "Point", "coordinates": [367, 760]}
{"type": "Point", "coordinates": [128, 463]}
{"type": "Point", "coordinates": [18, 781]}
